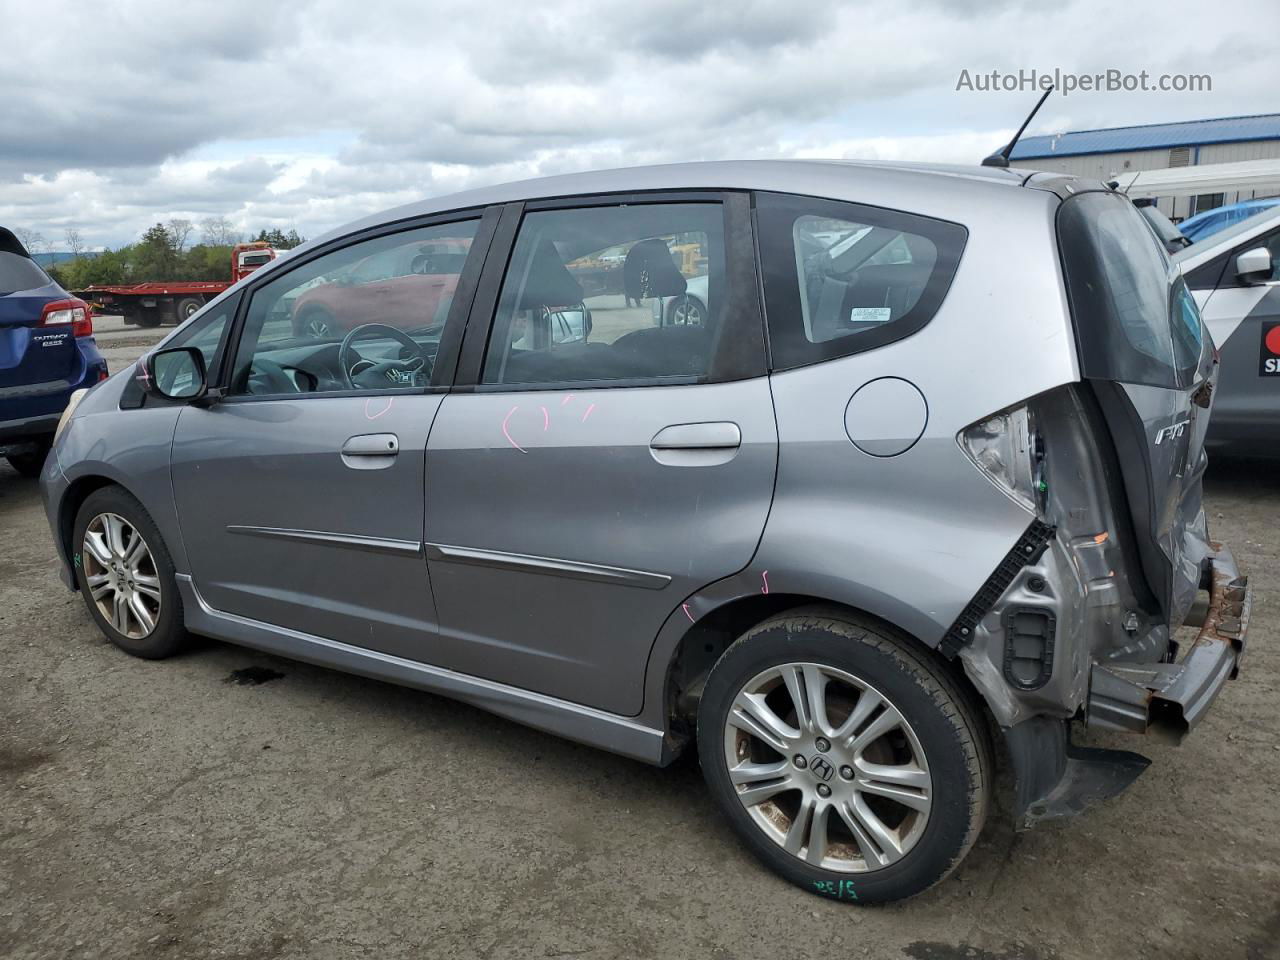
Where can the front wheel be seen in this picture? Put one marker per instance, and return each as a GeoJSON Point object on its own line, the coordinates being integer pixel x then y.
{"type": "Point", "coordinates": [844, 756]}
{"type": "Point", "coordinates": [315, 323]}
{"type": "Point", "coordinates": [686, 311]}
{"type": "Point", "coordinates": [126, 576]}
{"type": "Point", "coordinates": [187, 308]}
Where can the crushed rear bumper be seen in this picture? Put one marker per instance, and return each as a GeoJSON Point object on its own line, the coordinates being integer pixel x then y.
{"type": "Point", "coordinates": [1171, 698]}
{"type": "Point", "coordinates": [1056, 778]}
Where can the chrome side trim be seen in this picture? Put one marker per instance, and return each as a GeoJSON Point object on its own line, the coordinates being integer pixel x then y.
{"type": "Point", "coordinates": [572, 721]}
{"type": "Point", "coordinates": [399, 548]}
{"type": "Point", "coordinates": [548, 565]}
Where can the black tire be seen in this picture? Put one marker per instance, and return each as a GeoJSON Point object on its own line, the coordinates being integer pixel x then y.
{"type": "Point", "coordinates": [942, 716]}
{"type": "Point", "coordinates": [187, 307]}
{"type": "Point", "coordinates": [168, 635]}
{"type": "Point", "coordinates": [147, 317]}
{"type": "Point", "coordinates": [31, 463]}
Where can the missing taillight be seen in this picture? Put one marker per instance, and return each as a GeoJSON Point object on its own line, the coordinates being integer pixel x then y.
{"type": "Point", "coordinates": [72, 312]}
{"type": "Point", "coordinates": [1007, 448]}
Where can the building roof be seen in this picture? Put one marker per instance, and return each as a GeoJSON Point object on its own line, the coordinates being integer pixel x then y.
{"type": "Point", "coordinates": [1151, 136]}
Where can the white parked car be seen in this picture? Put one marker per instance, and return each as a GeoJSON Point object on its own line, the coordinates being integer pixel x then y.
{"type": "Point", "coordinates": [1234, 276]}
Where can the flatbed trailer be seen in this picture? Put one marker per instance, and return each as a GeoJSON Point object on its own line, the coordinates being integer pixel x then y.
{"type": "Point", "coordinates": [151, 304]}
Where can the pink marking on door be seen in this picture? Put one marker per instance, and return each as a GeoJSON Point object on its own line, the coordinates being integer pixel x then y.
{"type": "Point", "coordinates": [546, 419]}
{"type": "Point", "coordinates": [506, 433]}
{"type": "Point", "coordinates": [142, 375]}
{"type": "Point", "coordinates": [764, 576]}
{"type": "Point", "coordinates": [685, 608]}
{"type": "Point", "coordinates": [567, 398]}
{"type": "Point", "coordinates": [588, 413]}
{"type": "Point", "coordinates": [369, 415]}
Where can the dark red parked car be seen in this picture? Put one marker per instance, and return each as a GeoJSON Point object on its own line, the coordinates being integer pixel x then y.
{"type": "Point", "coordinates": [414, 285]}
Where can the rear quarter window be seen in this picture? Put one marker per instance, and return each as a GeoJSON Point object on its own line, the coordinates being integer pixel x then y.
{"type": "Point", "coordinates": [19, 273]}
{"type": "Point", "coordinates": [1135, 321]}
{"type": "Point", "coordinates": [840, 278]}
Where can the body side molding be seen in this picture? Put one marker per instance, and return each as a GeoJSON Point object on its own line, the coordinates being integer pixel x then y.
{"type": "Point", "coordinates": [548, 565]}
{"type": "Point", "coordinates": [399, 548]}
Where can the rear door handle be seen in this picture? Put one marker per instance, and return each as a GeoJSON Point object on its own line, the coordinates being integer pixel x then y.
{"type": "Point", "coordinates": [721, 435]}
{"type": "Point", "coordinates": [696, 444]}
{"type": "Point", "coordinates": [370, 451]}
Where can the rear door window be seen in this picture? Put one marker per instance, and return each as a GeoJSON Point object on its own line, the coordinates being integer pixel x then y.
{"type": "Point", "coordinates": [840, 278]}
{"type": "Point", "coordinates": [632, 293]}
{"type": "Point", "coordinates": [1134, 319]}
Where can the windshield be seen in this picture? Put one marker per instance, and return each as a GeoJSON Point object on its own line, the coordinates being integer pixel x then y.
{"type": "Point", "coordinates": [19, 273]}
{"type": "Point", "coordinates": [1134, 320]}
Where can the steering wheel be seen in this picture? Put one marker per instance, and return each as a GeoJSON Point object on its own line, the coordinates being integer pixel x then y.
{"type": "Point", "coordinates": [268, 377]}
{"type": "Point", "coordinates": [360, 373]}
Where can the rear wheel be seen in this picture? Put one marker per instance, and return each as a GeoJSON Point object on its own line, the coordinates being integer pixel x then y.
{"type": "Point", "coordinates": [844, 756]}
{"type": "Point", "coordinates": [126, 576]}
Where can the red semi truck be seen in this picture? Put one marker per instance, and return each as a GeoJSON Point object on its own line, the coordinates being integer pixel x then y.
{"type": "Point", "coordinates": [151, 304]}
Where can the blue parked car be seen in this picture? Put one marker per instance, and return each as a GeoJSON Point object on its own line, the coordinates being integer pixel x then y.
{"type": "Point", "coordinates": [1210, 222]}
{"type": "Point", "coordinates": [47, 352]}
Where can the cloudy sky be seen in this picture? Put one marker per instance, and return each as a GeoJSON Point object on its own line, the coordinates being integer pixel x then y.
{"type": "Point", "coordinates": [309, 114]}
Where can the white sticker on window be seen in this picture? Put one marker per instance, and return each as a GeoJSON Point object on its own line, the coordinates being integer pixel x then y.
{"type": "Point", "coordinates": [870, 315]}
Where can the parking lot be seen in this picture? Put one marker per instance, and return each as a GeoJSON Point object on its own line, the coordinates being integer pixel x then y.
{"type": "Point", "coordinates": [230, 804]}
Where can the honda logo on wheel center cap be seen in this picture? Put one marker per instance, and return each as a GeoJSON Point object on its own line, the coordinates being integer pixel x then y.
{"type": "Point", "coordinates": [822, 768]}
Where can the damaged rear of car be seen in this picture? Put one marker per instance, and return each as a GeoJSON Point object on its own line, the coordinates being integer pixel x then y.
{"type": "Point", "coordinates": [1080, 621]}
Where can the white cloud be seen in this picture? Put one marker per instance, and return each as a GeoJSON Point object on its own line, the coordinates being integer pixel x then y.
{"type": "Point", "coordinates": [308, 114]}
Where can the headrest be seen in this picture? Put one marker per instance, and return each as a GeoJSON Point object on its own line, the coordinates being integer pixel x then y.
{"type": "Point", "coordinates": [922, 249]}
{"type": "Point", "coordinates": [649, 271]}
{"type": "Point", "coordinates": [549, 283]}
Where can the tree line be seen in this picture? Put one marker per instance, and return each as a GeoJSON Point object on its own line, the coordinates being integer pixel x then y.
{"type": "Point", "coordinates": [167, 251]}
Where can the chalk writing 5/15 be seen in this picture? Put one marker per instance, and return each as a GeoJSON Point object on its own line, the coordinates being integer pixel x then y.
{"type": "Point", "coordinates": [840, 889]}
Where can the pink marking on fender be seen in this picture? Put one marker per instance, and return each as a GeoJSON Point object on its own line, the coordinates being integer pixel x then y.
{"type": "Point", "coordinates": [374, 416]}
{"type": "Point", "coordinates": [764, 576]}
{"type": "Point", "coordinates": [567, 398]}
{"type": "Point", "coordinates": [685, 608]}
{"type": "Point", "coordinates": [546, 419]}
{"type": "Point", "coordinates": [588, 413]}
{"type": "Point", "coordinates": [507, 433]}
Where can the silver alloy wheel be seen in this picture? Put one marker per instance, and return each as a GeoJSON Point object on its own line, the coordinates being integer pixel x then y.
{"type": "Point", "coordinates": [121, 575]}
{"type": "Point", "coordinates": [316, 326]}
{"type": "Point", "coordinates": [688, 312]}
{"type": "Point", "coordinates": [827, 767]}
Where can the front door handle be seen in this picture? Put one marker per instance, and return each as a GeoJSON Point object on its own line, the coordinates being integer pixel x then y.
{"type": "Point", "coordinates": [370, 451]}
{"type": "Point", "coordinates": [696, 444]}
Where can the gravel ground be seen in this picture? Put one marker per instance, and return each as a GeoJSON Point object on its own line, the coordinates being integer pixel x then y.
{"type": "Point", "coordinates": [229, 804]}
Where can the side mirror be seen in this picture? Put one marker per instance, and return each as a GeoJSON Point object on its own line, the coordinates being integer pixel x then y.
{"type": "Point", "coordinates": [1254, 266]}
{"type": "Point", "coordinates": [570, 325]}
{"type": "Point", "coordinates": [176, 374]}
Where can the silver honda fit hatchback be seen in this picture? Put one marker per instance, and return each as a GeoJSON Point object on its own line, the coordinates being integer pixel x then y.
{"type": "Point", "coordinates": [921, 475]}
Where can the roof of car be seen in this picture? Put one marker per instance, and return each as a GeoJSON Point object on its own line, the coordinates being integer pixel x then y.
{"type": "Point", "coordinates": [891, 183]}
{"type": "Point", "coordinates": [1215, 243]}
{"type": "Point", "coordinates": [1264, 203]}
